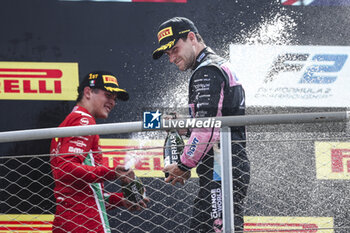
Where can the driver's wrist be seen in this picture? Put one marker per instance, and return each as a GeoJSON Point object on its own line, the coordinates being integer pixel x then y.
{"type": "Point", "coordinates": [182, 166]}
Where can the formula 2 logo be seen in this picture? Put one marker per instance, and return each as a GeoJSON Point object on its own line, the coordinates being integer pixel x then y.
{"type": "Point", "coordinates": [317, 69]}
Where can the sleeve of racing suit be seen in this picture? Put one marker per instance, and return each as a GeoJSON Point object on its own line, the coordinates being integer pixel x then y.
{"type": "Point", "coordinates": [71, 167]}
{"type": "Point", "coordinates": [113, 200]}
{"type": "Point", "coordinates": [206, 94]}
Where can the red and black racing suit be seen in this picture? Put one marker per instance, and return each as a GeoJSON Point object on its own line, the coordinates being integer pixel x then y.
{"type": "Point", "coordinates": [214, 91]}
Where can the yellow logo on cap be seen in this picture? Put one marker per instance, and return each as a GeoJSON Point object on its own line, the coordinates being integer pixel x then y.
{"type": "Point", "coordinates": [93, 76]}
{"type": "Point", "coordinates": [182, 32]}
{"type": "Point", "coordinates": [165, 33]}
{"type": "Point", "coordinates": [110, 79]}
{"type": "Point", "coordinates": [166, 46]}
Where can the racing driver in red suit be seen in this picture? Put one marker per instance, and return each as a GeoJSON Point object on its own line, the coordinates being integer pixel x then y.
{"type": "Point", "coordinates": [77, 162]}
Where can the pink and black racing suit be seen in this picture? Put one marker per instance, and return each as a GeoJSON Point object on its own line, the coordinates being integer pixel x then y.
{"type": "Point", "coordinates": [214, 91]}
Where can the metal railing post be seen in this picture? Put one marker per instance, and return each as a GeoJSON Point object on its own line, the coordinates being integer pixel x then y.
{"type": "Point", "coordinates": [226, 180]}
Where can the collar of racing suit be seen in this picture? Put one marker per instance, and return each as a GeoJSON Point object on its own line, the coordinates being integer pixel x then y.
{"type": "Point", "coordinates": [202, 54]}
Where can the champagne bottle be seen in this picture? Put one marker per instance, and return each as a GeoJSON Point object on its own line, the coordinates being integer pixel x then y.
{"type": "Point", "coordinates": [134, 191]}
{"type": "Point", "coordinates": [173, 148]}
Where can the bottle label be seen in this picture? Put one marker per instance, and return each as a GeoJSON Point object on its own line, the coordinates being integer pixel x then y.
{"type": "Point", "coordinates": [134, 191]}
{"type": "Point", "coordinates": [173, 148]}
{"type": "Point", "coordinates": [167, 161]}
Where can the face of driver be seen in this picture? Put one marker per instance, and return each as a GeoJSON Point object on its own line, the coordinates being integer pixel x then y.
{"type": "Point", "coordinates": [101, 102]}
{"type": "Point", "coordinates": [183, 53]}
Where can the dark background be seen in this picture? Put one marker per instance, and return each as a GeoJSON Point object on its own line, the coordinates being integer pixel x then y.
{"type": "Point", "coordinates": [120, 37]}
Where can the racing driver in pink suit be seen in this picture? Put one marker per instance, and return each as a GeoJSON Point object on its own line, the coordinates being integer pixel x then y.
{"type": "Point", "coordinates": [214, 91]}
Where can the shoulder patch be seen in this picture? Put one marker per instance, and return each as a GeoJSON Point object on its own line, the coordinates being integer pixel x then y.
{"type": "Point", "coordinates": [84, 121]}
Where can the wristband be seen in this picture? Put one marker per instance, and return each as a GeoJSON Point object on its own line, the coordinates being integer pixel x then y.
{"type": "Point", "coordinates": [182, 166]}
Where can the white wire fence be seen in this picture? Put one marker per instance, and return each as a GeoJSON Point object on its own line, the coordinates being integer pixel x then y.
{"type": "Point", "coordinates": [299, 181]}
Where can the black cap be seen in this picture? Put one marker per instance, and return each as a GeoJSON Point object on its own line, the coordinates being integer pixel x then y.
{"type": "Point", "coordinates": [104, 81]}
{"type": "Point", "coordinates": [170, 32]}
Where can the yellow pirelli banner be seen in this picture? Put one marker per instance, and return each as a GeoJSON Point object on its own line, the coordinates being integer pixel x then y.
{"type": "Point", "coordinates": [267, 224]}
{"type": "Point", "coordinates": [27, 223]}
{"type": "Point", "coordinates": [332, 160]}
{"type": "Point", "coordinates": [146, 156]}
{"type": "Point", "coordinates": [288, 224]}
{"type": "Point", "coordinates": [38, 81]}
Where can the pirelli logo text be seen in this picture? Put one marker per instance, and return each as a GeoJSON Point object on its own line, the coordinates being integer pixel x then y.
{"type": "Point", "coordinates": [290, 224]}
{"type": "Point", "coordinates": [110, 79]}
{"type": "Point", "coordinates": [26, 223]}
{"type": "Point", "coordinates": [38, 81]}
{"type": "Point", "coordinates": [332, 160]}
{"type": "Point", "coordinates": [165, 33]}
